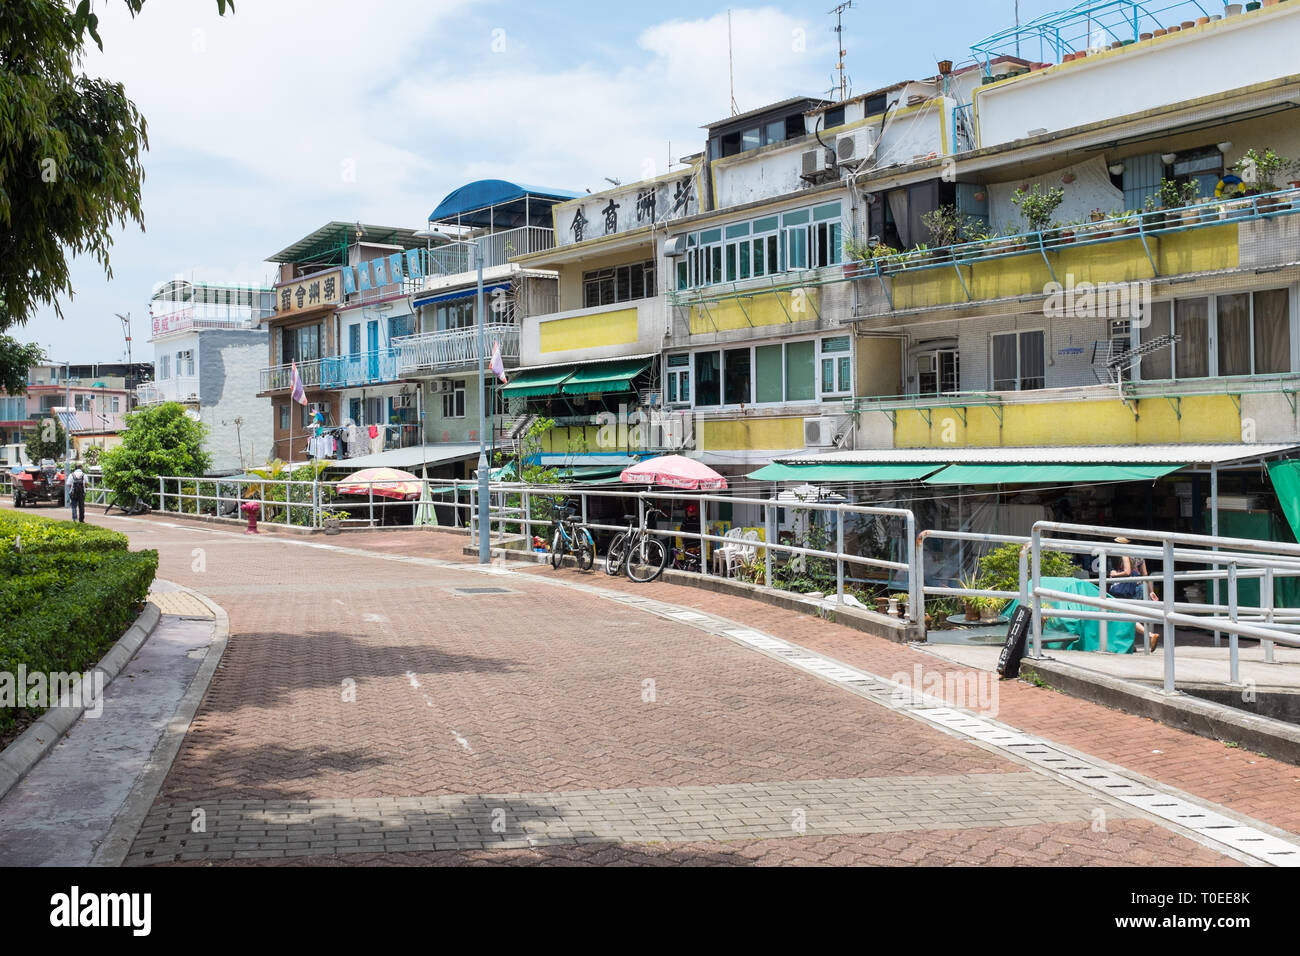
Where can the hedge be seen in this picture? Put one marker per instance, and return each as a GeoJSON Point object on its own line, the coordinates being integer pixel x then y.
{"type": "Point", "coordinates": [37, 535]}
{"type": "Point", "coordinates": [66, 598]}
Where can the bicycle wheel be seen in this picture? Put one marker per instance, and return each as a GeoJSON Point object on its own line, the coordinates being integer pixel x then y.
{"type": "Point", "coordinates": [614, 557]}
{"type": "Point", "coordinates": [586, 549]}
{"type": "Point", "coordinates": [557, 550]}
{"type": "Point", "coordinates": [646, 560]}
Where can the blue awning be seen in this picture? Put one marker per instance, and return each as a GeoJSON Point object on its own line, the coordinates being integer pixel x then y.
{"type": "Point", "coordinates": [477, 196]}
{"type": "Point", "coordinates": [458, 294]}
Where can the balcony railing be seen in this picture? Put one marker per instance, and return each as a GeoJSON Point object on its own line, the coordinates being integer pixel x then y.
{"type": "Point", "coordinates": [497, 248]}
{"type": "Point", "coordinates": [364, 368]}
{"type": "Point", "coordinates": [279, 376]}
{"type": "Point", "coordinates": [454, 348]}
{"type": "Point", "coordinates": [168, 390]}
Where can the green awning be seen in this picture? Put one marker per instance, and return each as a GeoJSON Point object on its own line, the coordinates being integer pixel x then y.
{"type": "Point", "coordinates": [541, 381]}
{"type": "Point", "coordinates": [605, 377]}
{"type": "Point", "coordinates": [1046, 474]}
{"type": "Point", "coordinates": [1285, 476]}
{"type": "Point", "coordinates": [843, 472]}
{"type": "Point", "coordinates": [591, 474]}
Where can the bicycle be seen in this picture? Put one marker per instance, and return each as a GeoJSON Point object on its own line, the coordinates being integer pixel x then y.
{"type": "Point", "coordinates": [637, 552]}
{"type": "Point", "coordinates": [572, 538]}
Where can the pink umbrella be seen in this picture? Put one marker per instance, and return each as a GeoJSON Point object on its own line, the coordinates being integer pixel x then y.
{"type": "Point", "coordinates": [674, 471]}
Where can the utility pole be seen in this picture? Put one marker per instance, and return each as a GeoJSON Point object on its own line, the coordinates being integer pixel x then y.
{"type": "Point", "coordinates": [839, 45]}
{"type": "Point", "coordinates": [126, 331]}
{"type": "Point", "coordinates": [731, 71]}
{"type": "Point", "coordinates": [484, 544]}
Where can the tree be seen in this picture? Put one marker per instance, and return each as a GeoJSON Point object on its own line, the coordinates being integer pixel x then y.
{"type": "Point", "coordinates": [160, 440]}
{"type": "Point", "coordinates": [46, 440]}
{"type": "Point", "coordinates": [15, 360]}
{"type": "Point", "coordinates": [70, 166]}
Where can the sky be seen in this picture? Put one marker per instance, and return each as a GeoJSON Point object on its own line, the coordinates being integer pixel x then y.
{"type": "Point", "coordinates": [269, 122]}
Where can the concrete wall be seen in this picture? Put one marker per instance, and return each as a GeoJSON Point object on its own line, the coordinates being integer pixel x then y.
{"type": "Point", "coordinates": [1228, 54]}
{"type": "Point", "coordinates": [611, 331]}
{"type": "Point", "coordinates": [229, 365]}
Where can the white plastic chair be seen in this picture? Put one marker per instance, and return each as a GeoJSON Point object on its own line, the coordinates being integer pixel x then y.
{"type": "Point", "coordinates": [722, 560]}
{"type": "Point", "coordinates": [743, 554]}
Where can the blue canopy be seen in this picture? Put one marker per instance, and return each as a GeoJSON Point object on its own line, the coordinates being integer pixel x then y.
{"type": "Point", "coordinates": [477, 197]}
{"type": "Point", "coordinates": [459, 294]}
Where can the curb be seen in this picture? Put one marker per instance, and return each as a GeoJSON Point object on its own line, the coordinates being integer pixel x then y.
{"type": "Point", "coordinates": [869, 622]}
{"type": "Point", "coordinates": [122, 832]}
{"type": "Point", "coordinates": [1262, 735]}
{"type": "Point", "coordinates": [17, 760]}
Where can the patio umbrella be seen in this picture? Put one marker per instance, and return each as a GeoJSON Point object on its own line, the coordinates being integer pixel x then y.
{"type": "Point", "coordinates": [385, 482]}
{"type": "Point", "coordinates": [674, 471]}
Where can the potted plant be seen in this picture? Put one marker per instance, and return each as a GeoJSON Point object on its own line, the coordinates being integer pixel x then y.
{"type": "Point", "coordinates": [990, 609]}
{"type": "Point", "coordinates": [1037, 206]}
{"type": "Point", "coordinates": [972, 604]}
{"type": "Point", "coordinates": [1261, 170]}
{"type": "Point", "coordinates": [948, 227]}
{"type": "Point", "coordinates": [1231, 9]}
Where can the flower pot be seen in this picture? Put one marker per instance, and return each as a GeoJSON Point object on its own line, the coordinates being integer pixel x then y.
{"type": "Point", "coordinates": [1187, 24]}
{"type": "Point", "coordinates": [972, 612]}
{"type": "Point", "coordinates": [1145, 36]}
{"type": "Point", "coordinates": [1231, 9]}
{"type": "Point", "coordinates": [332, 526]}
{"type": "Point", "coordinates": [1161, 32]}
{"type": "Point", "coordinates": [1253, 5]}
{"type": "Point", "coordinates": [1202, 21]}
{"type": "Point", "coordinates": [988, 615]}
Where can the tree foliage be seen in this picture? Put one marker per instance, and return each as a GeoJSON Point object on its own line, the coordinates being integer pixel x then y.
{"type": "Point", "coordinates": [70, 149]}
{"type": "Point", "coordinates": [159, 440]}
{"type": "Point", "coordinates": [37, 445]}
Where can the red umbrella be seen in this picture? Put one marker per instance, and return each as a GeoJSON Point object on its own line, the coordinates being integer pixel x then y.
{"type": "Point", "coordinates": [383, 482]}
{"type": "Point", "coordinates": [674, 471]}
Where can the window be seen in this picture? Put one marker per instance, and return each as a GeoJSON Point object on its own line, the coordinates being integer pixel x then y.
{"type": "Point", "coordinates": [82, 403]}
{"type": "Point", "coordinates": [284, 416]}
{"type": "Point", "coordinates": [354, 339]}
{"type": "Point", "coordinates": [164, 367]}
{"type": "Point", "coordinates": [708, 379]}
{"type": "Point", "coordinates": [751, 139]}
{"type": "Point", "coordinates": [115, 404]}
{"type": "Point", "coordinates": [399, 326]}
{"type": "Point", "coordinates": [1272, 331]}
{"type": "Point", "coordinates": [834, 117]}
{"type": "Point", "coordinates": [185, 360]}
{"type": "Point", "coordinates": [453, 402]}
{"type": "Point", "coordinates": [494, 401]}
{"type": "Point", "coordinates": [736, 378]}
{"type": "Point", "coordinates": [1192, 351]}
{"type": "Point", "coordinates": [769, 380]}
{"type": "Point", "coordinates": [938, 372]}
{"type": "Point", "coordinates": [619, 284]}
{"type": "Point", "coordinates": [1018, 361]}
{"type": "Point", "coordinates": [678, 385]}
{"type": "Point", "coordinates": [455, 314]}
{"type": "Point", "coordinates": [298, 345]}
{"type": "Point", "coordinates": [1252, 336]}
{"type": "Point", "coordinates": [837, 366]}
{"type": "Point", "coordinates": [801, 239]}
{"type": "Point", "coordinates": [800, 377]}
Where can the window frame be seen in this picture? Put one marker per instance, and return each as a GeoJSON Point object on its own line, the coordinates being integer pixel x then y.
{"type": "Point", "coordinates": [1214, 358]}
{"type": "Point", "coordinates": [844, 377]}
{"type": "Point", "coordinates": [1020, 362]}
{"type": "Point", "coordinates": [454, 400]}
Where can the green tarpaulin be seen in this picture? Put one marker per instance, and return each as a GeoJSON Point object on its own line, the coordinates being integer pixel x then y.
{"type": "Point", "coordinates": [1086, 634]}
{"type": "Point", "coordinates": [842, 472]}
{"type": "Point", "coordinates": [1285, 476]}
{"type": "Point", "coordinates": [605, 377]}
{"type": "Point", "coordinates": [542, 381]}
{"type": "Point", "coordinates": [1046, 474]}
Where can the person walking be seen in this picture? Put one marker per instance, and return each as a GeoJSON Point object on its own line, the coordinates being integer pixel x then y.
{"type": "Point", "coordinates": [78, 495]}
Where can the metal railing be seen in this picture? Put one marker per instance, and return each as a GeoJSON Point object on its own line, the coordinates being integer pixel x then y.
{"type": "Point", "coordinates": [363, 368]}
{"type": "Point", "coordinates": [454, 348]}
{"type": "Point", "coordinates": [497, 249]}
{"type": "Point", "coordinates": [168, 390]}
{"type": "Point", "coordinates": [279, 376]}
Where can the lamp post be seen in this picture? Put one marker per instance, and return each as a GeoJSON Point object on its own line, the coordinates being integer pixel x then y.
{"type": "Point", "coordinates": [484, 545]}
{"type": "Point", "coordinates": [126, 331]}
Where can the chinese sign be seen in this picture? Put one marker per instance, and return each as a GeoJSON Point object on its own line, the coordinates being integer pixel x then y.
{"type": "Point", "coordinates": [172, 321]}
{"type": "Point", "coordinates": [630, 207]}
{"type": "Point", "coordinates": [311, 292]}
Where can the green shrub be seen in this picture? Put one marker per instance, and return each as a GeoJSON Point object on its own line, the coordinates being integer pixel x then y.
{"type": "Point", "coordinates": [1000, 568]}
{"type": "Point", "coordinates": [39, 535]}
{"type": "Point", "coordinates": [66, 597]}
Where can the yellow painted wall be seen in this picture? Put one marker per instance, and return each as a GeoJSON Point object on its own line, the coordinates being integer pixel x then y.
{"type": "Point", "coordinates": [1196, 250]}
{"type": "Point", "coordinates": [879, 366]}
{"type": "Point", "coordinates": [761, 309]}
{"type": "Point", "coordinates": [589, 331]}
{"type": "Point", "coordinates": [1205, 418]}
{"type": "Point", "coordinates": [740, 434]}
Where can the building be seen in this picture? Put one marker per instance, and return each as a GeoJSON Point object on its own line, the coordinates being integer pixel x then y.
{"type": "Point", "coordinates": [209, 348]}
{"type": "Point", "coordinates": [92, 407]}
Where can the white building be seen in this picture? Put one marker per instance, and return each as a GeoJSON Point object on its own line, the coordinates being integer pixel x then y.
{"type": "Point", "coordinates": [208, 353]}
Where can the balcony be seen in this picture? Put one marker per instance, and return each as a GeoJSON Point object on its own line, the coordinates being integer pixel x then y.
{"type": "Point", "coordinates": [1235, 235]}
{"type": "Point", "coordinates": [364, 368]}
{"type": "Point", "coordinates": [434, 352]}
{"type": "Point", "coordinates": [278, 377]}
{"type": "Point", "coordinates": [497, 249]}
{"type": "Point", "coordinates": [184, 389]}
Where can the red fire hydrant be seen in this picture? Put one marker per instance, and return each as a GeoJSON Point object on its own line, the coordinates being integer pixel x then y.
{"type": "Point", "coordinates": [251, 510]}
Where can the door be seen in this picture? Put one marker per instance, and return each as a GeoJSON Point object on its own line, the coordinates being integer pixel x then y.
{"type": "Point", "coordinates": [372, 350]}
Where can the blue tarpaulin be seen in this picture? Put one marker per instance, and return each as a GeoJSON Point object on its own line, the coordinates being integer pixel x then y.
{"type": "Point", "coordinates": [1087, 633]}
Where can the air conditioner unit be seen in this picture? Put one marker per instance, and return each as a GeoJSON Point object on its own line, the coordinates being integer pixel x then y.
{"type": "Point", "coordinates": [442, 385]}
{"type": "Point", "coordinates": [845, 148]}
{"type": "Point", "coordinates": [404, 400]}
{"type": "Point", "coordinates": [674, 247]}
{"type": "Point", "coordinates": [814, 162]}
{"type": "Point", "coordinates": [818, 432]}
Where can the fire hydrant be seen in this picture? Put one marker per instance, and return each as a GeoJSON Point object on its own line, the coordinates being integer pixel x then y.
{"type": "Point", "coordinates": [251, 510]}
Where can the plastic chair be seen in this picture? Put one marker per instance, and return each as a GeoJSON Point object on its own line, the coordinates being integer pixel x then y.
{"type": "Point", "coordinates": [722, 560]}
{"type": "Point", "coordinates": [743, 554]}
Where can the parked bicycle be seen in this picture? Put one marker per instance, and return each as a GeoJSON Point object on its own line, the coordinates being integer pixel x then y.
{"type": "Point", "coordinates": [572, 537]}
{"type": "Point", "coordinates": [637, 552]}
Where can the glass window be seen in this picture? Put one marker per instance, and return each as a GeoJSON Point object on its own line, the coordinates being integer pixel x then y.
{"type": "Point", "coordinates": [1272, 332]}
{"type": "Point", "coordinates": [1005, 363]}
{"type": "Point", "coordinates": [796, 244]}
{"type": "Point", "coordinates": [354, 339]}
{"type": "Point", "coordinates": [750, 139]}
{"type": "Point", "coordinates": [1018, 361]}
{"type": "Point", "coordinates": [453, 402]}
{"type": "Point", "coordinates": [284, 416]}
{"type": "Point", "coordinates": [1234, 333]}
{"type": "Point", "coordinates": [774, 132]}
{"type": "Point", "coordinates": [731, 263]}
{"type": "Point", "coordinates": [708, 379]}
{"type": "Point", "coordinates": [1157, 365]}
{"type": "Point", "coordinates": [736, 390]}
{"type": "Point", "coordinates": [679, 380]}
{"type": "Point", "coordinates": [768, 382]}
{"type": "Point", "coordinates": [800, 364]}
{"type": "Point", "coordinates": [1192, 324]}
{"type": "Point", "coordinates": [1032, 360]}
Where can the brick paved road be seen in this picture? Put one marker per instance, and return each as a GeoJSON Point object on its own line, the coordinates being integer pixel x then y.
{"type": "Point", "coordinates": [358, 689]}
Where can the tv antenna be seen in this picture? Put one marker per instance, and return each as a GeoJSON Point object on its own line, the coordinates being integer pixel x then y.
{"type": "Point", "coordinates": [839, 45]}
{"type": "Point", "coordinates": [731, 68]}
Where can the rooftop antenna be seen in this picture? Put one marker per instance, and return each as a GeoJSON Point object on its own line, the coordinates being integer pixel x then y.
{"type": "Point", "coordinates": [731, 68]}
{"type": "Point", "coordinates": [1018, 29]}
{"type": "Point", "coordinates": [839, 45]}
